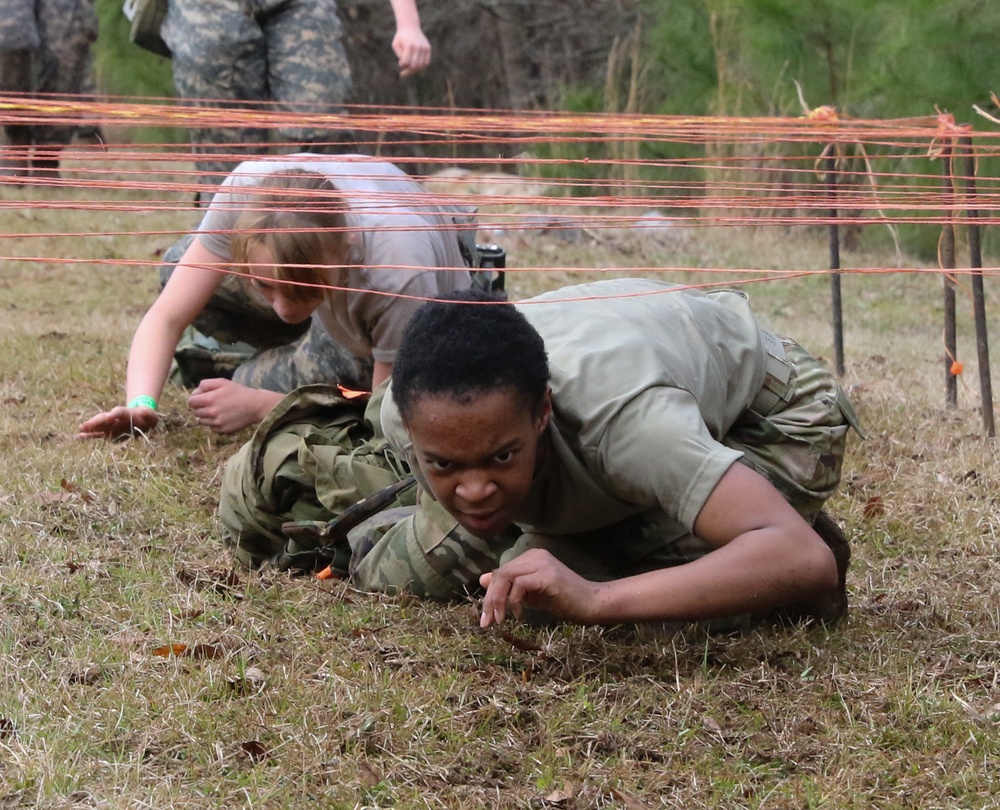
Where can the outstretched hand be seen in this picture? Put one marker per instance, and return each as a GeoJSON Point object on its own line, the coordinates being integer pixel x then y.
{"type": "Point", "coordinates": [412, 49]}
{"type": "Point", "coordinates": [226, 406]}
{"type": "Point", "coordinates": [119, 423]}
{"type": "Point", "coordinates": [539, 580]}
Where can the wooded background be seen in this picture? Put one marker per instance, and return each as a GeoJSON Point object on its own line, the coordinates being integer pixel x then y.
{"type": "Point", "coordinates": [692, 57]}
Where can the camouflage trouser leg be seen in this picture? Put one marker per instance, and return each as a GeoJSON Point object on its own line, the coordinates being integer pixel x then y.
{"type": "Point", "coordinates": [799, 446]}
{"type": "Point", "coordinates": [235, 51]}
{"type": "Point", "coordinates": [313, 358]}
{"type": "Point", "coordinates": [15, 77]}
{"type": "Point", "coordinates": [314, 456]}
{"type": "Point", "coordinates": [427, 554]}
{"type": "Point", "coordinates": [67, 28]}
{"type": "Point", "coordinates": [308, 70]}
{"type": "Point", "coordinates": [18, 27]}
{"type": "Point", "coordinates": [45, 48]}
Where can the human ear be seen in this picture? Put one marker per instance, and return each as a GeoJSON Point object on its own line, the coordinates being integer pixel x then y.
{"type": "Point", "coordinates": [544, 412]}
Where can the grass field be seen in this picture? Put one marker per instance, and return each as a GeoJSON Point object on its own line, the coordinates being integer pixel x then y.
{"type": "Point", "coordinates": [138, 669]}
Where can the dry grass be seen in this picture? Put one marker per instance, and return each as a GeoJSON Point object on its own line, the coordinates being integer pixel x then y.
{"type": "Point", "coordinates": [292, 693]}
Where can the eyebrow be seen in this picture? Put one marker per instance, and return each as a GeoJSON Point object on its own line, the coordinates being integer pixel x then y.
{"type": "Point", "coordinates": [504, 448]}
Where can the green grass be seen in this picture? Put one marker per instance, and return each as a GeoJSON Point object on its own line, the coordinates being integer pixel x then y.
{"type": "Point", "coordinates": [294, 693]}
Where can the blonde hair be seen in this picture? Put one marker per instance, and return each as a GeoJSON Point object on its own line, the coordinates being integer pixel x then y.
{"type": "Point", "coordinates": [298, 217]}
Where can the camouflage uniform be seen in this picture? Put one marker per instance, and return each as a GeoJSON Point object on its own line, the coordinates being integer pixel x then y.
{"type": "Point", "coordinates": [238, 336]}
{"type": "Point", "coordinates": [798, 447]}
{"type": "Point", "coordinates": [44, 48]}
{"type": "Point", "coordinates": [232, 52]}
{"type": "Point", "coordinates": [355, 327]}
{"type": "Point", "coordinates": [791, 422]}
{"type": "Point", "coordinates": [314, 456]}
{"type": "Point", "coordinates": [635, 450]}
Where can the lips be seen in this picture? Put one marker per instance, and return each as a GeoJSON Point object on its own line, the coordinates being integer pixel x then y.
{"type": "Point", "coordinates": [483, 524]}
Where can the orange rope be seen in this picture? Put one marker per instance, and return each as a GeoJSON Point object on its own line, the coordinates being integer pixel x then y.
{"type": "Point", "coordinates": [716, 172]}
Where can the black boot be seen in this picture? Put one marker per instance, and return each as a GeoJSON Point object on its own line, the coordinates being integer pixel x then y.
{"type": "Point", "coordinates": [15, 77]}
{"type": "Point", "coordinates": [45, 162]}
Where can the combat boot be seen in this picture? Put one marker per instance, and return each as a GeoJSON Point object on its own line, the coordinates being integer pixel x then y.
{"type": "Point", "coordinates": [15, 77]}
{"type": "Point", "coordinates": [45, 162]}
{"type": "Point", "coordinates": [15, 161]}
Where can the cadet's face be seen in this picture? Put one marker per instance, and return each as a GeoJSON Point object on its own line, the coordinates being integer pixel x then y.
{"type": "Point", "coordinates": [478, 458]}
{"type": "Point", "coordinates": [275, 291]}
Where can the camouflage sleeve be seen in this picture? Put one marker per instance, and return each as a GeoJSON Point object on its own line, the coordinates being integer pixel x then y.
{"type": "Point", "coordinates": [425, 553]}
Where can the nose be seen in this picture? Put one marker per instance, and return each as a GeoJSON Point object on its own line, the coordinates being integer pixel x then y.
{"type": "Point", "coordinates": [476, 487]}
{"type": "Point", "coordinates": [287, 310]}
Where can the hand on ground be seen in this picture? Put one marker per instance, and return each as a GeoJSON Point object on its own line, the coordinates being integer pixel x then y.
{"type": "Point", "coordinates": [119, 423]}
{"type": "Point", "coordinates": [539, 580]}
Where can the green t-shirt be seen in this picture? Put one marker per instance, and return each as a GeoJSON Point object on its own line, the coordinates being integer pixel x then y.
{"type": "Point", "coordinates": [646, 379]}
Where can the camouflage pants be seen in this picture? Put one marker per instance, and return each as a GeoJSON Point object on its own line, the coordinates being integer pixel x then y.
{"type": "Point", "coordinates": [799, 447]}
{"type": "Point", "coordinates": [45, 48]}
{"type": "Point", "coordinates": [238, 336]}
{"type": "Point", "coordinates": [247, 52]}
{"type": "Point", "coordinates": [315, 455]}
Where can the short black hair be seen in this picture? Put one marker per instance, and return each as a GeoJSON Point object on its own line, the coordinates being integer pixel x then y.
{"type": "Point", "coordinates": [465, 344]}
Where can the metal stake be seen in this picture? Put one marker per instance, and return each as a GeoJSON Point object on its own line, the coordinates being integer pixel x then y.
{"type": "Point", "coordinates": [948, 263]}
{"type": "Point", "coordinates": [978, 293]}
{"type": "Point", "coordinates": [836, 307]}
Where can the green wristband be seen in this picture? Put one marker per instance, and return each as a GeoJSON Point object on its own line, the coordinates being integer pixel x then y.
{"type": "Point", "coordinates": [142, 401]}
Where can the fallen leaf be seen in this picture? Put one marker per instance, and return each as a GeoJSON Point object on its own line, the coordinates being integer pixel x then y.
{"type": "Point", "coordinates": [630, 802]}
{"type": "Point", "coordinates": [199, 651]}
{"type": "Point", "coordinates": [252, 681]}
{"type": "Point", "coordinates": [254, 751]}
{"type": "Point", "coordinates": [222, 581]}
{"type": "Point", "coordinates": [11, 800]}
{"type": "Point", "coordinates": [167, 650]}
{"type": "Point", "coordinates": [367, 773]}
{"type": "Point", "coordinates": [74, 489]}
{"type": "Point", "coordinates": [558, 797]}
{"type": "Point", "coordinates": [54, 497]}
{"type": "Point", "coordinates": [874, 507]}
{"type": "Point", "coordinates": [712, 725]}
{"type": "Point", "coordinates": [89, 676]}
{"type": "Point", "coordinates": [204, 651]}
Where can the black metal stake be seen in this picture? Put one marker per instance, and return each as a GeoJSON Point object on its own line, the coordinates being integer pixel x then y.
{"type": "Point", "coordinates": [835, 300]}
{"type": "Point", "coordinates": [948, 263]}
{"type": "Point", "coordinates": [978, 293]}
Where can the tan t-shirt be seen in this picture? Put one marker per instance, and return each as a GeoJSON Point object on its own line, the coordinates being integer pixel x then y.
{"type": "Point", "coordinates": [646, 379]}
{"type": "Point", "coordinates": [395, 226]}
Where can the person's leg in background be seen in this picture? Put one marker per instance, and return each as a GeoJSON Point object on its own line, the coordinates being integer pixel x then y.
{"type": "Point", "coordinates": [19, 39]}
{"type": "Point", "coordinates": [219, 59]}
{"type": "Point", "coordinates": [67, 29]}
{"type": "Point", "coordinates": [308, 70]}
